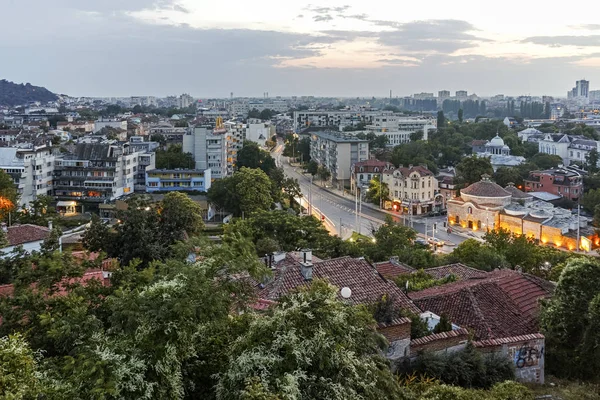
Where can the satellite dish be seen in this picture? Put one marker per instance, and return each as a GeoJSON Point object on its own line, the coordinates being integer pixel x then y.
{"type": "Point", "coordinates": [346, 292]}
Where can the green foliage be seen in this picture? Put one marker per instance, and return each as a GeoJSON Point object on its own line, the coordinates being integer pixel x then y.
{"type": "Point", "coordinates": [570, 322]}
{"type": "Point", "coordinates": [248, 190]}
{"type": "Point", "coordinates": [174, 157]}
{"type": "Point", "coordinates": [38, 212]}
{"type": "Point", "coordinates": [591, 160]}
{"type": "Point", "coordinates": [18, 369]}
{"type": "Point", "coordinates": [385, 310]}
{"type": "Point", "coordinates": [445, 325]}
{"type": "Point", "coordinates": [378, 191]}
{"type": "Point", "coordinates": [312, 167]}
{"type": "Point", "coordinates": [505, 175]}
{"type": "Point", "coordinates": [323, 173]}
{"type": "Point", "coordinates": [475, 254]}
{"type": "Point", "coordinates": [52, 242]}
{"type": "Point", "coordinates": [12, 94]}
{"type": "Point", "coordinates": [590, 200]}
{"type": "Point", "coordinates": [466, 368]}
{"type": "Point", "coordinates": [327, 337]}
{"type": "Point", "coordinates": [146, 231]}
{"type": "Point", "coordinates": [471, 169]}
{"type": "Point", "coordinates": [418, 327]}
{"type": "Point", "coordinates": [510, 391]}
{"type": "Point", "coordinates": [546, 161]}
{"type": "Point", "coordinates": [252, 156]}
{"type": "Point", "coordinates": [421, 280]}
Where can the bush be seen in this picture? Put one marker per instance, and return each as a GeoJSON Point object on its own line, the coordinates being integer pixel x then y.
{"type": "Point", "coordinates": [466, 368]}
{"type": "Point", "coordinates": [510, 391]}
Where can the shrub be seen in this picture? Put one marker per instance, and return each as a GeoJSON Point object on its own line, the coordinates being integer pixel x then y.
{"type": "Point", "coordinates": [466, 368]}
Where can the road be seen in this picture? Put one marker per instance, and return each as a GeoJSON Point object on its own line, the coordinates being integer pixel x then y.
{"type": "Point", "coordinates": [340, 211]}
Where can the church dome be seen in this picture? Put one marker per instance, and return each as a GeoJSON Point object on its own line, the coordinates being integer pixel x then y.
{"type": "Point", "coordinates": [485, 188]}
{"type": "Point", "coordinates": [496, 142]}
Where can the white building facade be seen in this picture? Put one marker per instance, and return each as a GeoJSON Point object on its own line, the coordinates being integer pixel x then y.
{"type": "Point", "coordinates": [338, 153]}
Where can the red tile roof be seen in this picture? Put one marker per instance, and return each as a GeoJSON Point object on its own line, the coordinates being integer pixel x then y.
{"type": "Point", "coordinates": [362, 278]}
{"type": "Point", "coordinates": [370, 165]}
{"type": "Point", "coordinates": [439, 336]}
{"type": "Point", "coordinates": [391, 269]}
{"type": "Point", "coordinates": [423, 171]}
{"type": "Point", "coordinates": [507, 340]}
{"type": "Point", "coordinates": [460, 271]}
{"type": "Point", "coordinates": [504, 304]}
{"type": "Point", "coordinates": [21, 234]}
{"type": "Point", "coordinates": [90, 274]}
{"type": "Point", "coordinates": [485, 188]}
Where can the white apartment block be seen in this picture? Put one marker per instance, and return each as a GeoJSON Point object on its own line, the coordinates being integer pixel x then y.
{"type": "Point", "coordinates": [214, 148]}
{"type": "Point", "coordinates": [398, 129]}
{"type": "Point", "coordinates": [184, 101]}
{"type": "Point", "coordinates": [338, 153]}
{"type": "Point", "coordinates": [31, 169]}
{"type": "Point", "coordinates": [241, 108]}
{"type": "Point", "coordinates": [304, 119]}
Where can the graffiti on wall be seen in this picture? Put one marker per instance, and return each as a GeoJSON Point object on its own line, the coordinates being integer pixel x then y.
{"type": "Point", "coordinates": [527, 355]}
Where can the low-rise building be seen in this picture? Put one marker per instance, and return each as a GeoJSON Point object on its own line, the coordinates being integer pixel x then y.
{"type": "Point", "coordinates": [110, 123]}
{"type": "Point", "coordinates": [168, 180]}
{"type": "Point", "coordinates": [559, 181]}
{"type": "Point", "coordinates": [571, 148]}
{"type": "Point", "coordinates": [365, 171]}
{"type": "Point", "coordinates": [497, 152]}
{"type": "Point", "coordinates": [485, 205]}
{"type": "Point", "coordinates": [337, 119]}
{"type": "Point", "coordinates": [413, 190]}
{"type": "Point", "coordinates": [338, 153]}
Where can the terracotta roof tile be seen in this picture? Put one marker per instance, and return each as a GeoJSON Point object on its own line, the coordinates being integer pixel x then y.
{"type": "Point", "coordinates": [485, 189]}
{"type": "Point", "coordinates": [395, 322]}
{"type": "Point", "coordinates": [439, 336]}
{"type": "Point", "coordinates": [513, 339]}
{"type": "Point", "coordinates": [461, 272]}
{"type": "Point", "coordinates": [362, 278]}
{"type": "Point", "coordinates": [20, 234]}
{"type": "Point", "coordinates": [503, 304]}
{"type": "Point", "coordinates": [391, 269]}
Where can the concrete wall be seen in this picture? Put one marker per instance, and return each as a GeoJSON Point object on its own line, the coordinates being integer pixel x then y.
{"type": "Point", "coordinates": [527, 356]}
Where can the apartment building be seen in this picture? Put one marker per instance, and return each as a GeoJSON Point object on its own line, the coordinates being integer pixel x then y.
{"type": "Point", "coordinates": [31, 168]}
{"type": "Point", "coordinates": [304, 119]}
{"type": "Point", "coordinates": [109, 123]}
{"type": "Point", "coordinates": [365, 171]}
{"type": "Point", "coordinates": [398, 129]}
{"type": "Point", "coordinates": [182, 180]}
{"type": "Point", "coordinates": [214, 148]}
{"type": "Point", "coordinates": [172, 134]}
{"type": "Point", "coordinates": [559, 181]}
{"type": "Point", "coordinates": [413, 189]}
{"type": "Point", "coordinates": [338, 153]}
{"type": "Point", "coordinates": [94, 172]}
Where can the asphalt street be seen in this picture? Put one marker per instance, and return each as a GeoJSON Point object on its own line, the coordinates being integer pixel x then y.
{"type": "Point", "coordinates": [340, 211]}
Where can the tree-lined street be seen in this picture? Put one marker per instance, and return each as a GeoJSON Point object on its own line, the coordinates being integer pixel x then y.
{"type": "Point", "coordinates": [339, 209]}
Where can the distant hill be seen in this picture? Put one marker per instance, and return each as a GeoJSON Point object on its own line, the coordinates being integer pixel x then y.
{"type": "Point", "coordinates": [14, 94]}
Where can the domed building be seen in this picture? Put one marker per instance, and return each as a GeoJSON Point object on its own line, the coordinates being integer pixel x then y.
{"type": "Point", "coordinates": [497, 146]}
{"type": "Point", "coordinates": [486, 205]}
{"type": "Point", "coordinates": [478, 205]}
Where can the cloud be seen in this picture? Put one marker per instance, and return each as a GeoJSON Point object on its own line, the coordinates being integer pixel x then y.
{"type": "Point", "coordinates": [587, 27]}
{"type": "Point", "coordinates": [560, 41]}
{"type": "Point", "coordinates": [444, 36]}
{"type": "Point", "coordinates": [322, 18]}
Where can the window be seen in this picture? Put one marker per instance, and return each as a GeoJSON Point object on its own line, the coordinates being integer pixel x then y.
{"type": "Point", "coordinates": [470, 210]}
{"type": "Point", "coordinates": [578, 155]}
{"type": "Point", "coordinates": [423, 184]}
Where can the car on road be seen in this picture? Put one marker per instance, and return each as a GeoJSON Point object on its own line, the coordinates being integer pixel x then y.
{"type": "Point", "coordinates": [422, 242]}
{"type": "Point", "coordinates": [436, 242]}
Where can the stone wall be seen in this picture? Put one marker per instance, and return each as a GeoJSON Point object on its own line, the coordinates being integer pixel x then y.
{"type": "Point", "coordinates": [525, 352]}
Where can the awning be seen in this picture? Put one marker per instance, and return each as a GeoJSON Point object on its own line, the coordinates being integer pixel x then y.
{"type": "Point", "coordinates": [66, 204]}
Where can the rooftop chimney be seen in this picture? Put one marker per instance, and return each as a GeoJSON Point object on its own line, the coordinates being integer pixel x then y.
{"type": "Point", "coordinates": [50, 224]}
{"type": "Point", "coordinates": [306, 264]}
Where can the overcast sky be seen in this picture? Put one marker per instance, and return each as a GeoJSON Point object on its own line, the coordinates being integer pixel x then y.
{"type": "Point", "coordinates": [333, 48]}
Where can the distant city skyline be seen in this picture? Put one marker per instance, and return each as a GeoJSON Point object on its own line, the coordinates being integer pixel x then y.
{"type": "Point", "coordinates": [110, 48]}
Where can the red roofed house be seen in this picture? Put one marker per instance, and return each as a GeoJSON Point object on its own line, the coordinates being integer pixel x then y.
{"type": "Point", "coordinates": [504, 303]}
{"type": "Point", "coordinates": [365, 171]}
{"type": "Point", "coordinates": [366, 284]}
{"type": "Point", "coordinates": [29, 236]}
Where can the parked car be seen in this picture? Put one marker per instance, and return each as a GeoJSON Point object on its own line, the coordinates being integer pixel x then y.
{"type": "Point", "coordinates": [422, 242]}
{"type": "Point", "coordinates": [437, 242]}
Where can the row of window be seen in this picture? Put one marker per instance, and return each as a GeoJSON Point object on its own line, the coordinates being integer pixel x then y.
{"type": "Point", "coordinates": [413, 196]}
